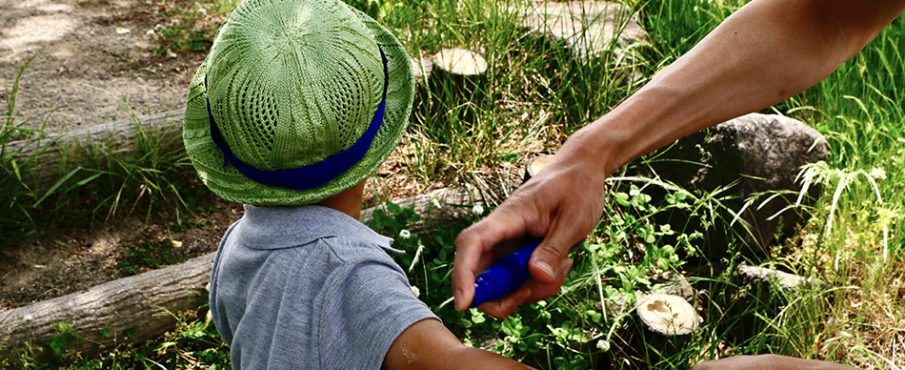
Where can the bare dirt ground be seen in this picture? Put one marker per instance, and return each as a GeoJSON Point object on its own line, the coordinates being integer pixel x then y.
{"type": "Point", "coordinates": [79, 259]}
{"type": "Point", "coordinates": [93, 62]}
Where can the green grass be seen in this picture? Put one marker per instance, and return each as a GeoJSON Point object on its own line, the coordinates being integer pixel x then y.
{"type": "Point", "coordinates": [535, 94]}
{"type": "Point", "coordinates": [88, 184]}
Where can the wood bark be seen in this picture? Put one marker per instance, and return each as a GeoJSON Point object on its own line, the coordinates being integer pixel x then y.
{"type": "Point", "coordinates": [45, 156]}
{"type": "Point", "coordinates": [138, 308]}
{"type": "Point", "coordinates": [132, 309]}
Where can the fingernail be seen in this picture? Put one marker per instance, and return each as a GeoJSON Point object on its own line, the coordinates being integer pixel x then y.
{"type": "Point", "coordinates": [546, 268]}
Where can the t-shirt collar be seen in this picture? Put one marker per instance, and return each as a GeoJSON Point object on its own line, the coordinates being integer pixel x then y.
{"type": "Point", "coordinates": [284, 227]}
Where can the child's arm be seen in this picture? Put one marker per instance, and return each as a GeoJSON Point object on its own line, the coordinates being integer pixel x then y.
{"type": "Point", "coordinates": [769, 362]}
{"type": "Point", "coordinates": [429, 345]}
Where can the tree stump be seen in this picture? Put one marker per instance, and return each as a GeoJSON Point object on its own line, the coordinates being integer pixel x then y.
{"type": "Point", "coordinates": [459, 72]}
{"type": "Point", "coordinates": [588, 28]}
{"type": "Point", "coordinates": [667, 321]}
{"type": "Point", "coordinates": [535, 165]}
{"type": "Point", "coordinates": [667, 315]}
{"type": "Point", "coordinates": [422, 68]}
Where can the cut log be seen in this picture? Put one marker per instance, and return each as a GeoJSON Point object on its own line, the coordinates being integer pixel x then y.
{"type": "Point", "coordinates": [535, 165]}
{"type": "Point", "coordinates": [667, 315]}
{"type": "Point", "coordinates": [136, 308]}
{"type": "Point", "coordinates": [45, 156]}
{"type": "Point", "coordinates": [436, 207]}
{"type": "Point", "coordinates": [458, 71]}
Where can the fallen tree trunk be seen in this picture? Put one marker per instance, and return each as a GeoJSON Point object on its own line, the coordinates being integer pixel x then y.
{"type": "Point", "coordinates": [45, 156]}
{"type": "Point", "coordinates": [132, 309]}
{"type": "Point", "coordinates": [436, 207]}
{"type": "Point", "coordinates": [138, 308]}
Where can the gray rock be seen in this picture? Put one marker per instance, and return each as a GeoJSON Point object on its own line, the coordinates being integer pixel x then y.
{"type": "Point", "coordinates": [761, 155]}
{"type": "Point", "coordinates": [770, 148]}
{"type": "Point", "coordinates": [588, 27]}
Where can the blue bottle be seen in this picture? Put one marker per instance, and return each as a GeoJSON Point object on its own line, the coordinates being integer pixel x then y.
{"type": "Point", "coordinates": [505, 276]}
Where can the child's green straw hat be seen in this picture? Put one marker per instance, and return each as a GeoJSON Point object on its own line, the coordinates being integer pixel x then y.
{"type": "Point", "coordinates": [296, 102]}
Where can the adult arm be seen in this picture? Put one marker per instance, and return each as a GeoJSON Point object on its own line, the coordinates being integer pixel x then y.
{"type": "Point", "coordinates": [766, 52]}
{"type": "Point", "coordinates": [429, 345]}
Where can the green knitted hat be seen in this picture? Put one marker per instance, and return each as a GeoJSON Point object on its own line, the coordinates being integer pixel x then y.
{"type": "Point", "coordinates": [296, 102]}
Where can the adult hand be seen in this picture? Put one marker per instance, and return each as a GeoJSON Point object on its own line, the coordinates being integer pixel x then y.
{"type": "Point", "coordinates": [561, 204]}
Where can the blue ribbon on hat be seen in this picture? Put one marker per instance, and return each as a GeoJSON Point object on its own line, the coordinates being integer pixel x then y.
{"type": "Point", "coordinates": [313, 175]}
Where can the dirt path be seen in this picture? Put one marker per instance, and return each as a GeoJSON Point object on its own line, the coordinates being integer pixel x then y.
{"type": "Point", "coordinates": [94, 61]}
{"type": "Point", "coordinates": [79, 259]}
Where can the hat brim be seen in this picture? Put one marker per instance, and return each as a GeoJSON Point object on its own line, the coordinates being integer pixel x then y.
{"type": "Point", "coordinates": [230, 184]}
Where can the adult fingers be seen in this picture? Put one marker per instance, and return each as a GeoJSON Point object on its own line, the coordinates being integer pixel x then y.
{"type": "Point", "coordinates": [472, 245]}
{"type": "Point", "coordinates": [568, 229]}
{"type": "Point", "coordinates": [541, 290]}
{"type": "Point", "coordinates": [504, 307]}
{"type": "Point", "coordinates": [532, 291]}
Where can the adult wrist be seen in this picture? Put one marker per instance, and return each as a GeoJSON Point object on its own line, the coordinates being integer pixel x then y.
{"type": "Point", "coordinates": [644, 122]}
{"type": "Point", "coordinates": [591, 151]}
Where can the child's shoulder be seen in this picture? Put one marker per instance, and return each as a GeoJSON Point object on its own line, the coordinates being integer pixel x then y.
{"type": "Point", "coordinates": [288, 228]}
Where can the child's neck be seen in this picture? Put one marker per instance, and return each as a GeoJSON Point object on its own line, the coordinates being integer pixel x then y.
{"type": "Point", "coordinates": [348, 202]}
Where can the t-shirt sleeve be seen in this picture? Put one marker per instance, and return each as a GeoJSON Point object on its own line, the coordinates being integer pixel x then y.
{"type": "Point", "coordinates": [369, 305]}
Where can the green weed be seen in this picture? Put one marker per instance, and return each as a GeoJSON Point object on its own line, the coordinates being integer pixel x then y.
{"type": "Point", "coordinates": [85, 184]}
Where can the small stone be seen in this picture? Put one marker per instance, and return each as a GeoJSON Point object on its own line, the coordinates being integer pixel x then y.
{"type": "Point", "coordinates": [176, 244]}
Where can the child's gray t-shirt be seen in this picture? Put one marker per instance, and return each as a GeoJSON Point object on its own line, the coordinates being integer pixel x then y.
{"type": "Point", "coordinates": [309, 288]}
